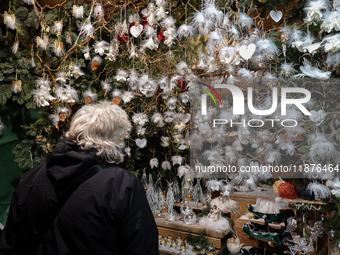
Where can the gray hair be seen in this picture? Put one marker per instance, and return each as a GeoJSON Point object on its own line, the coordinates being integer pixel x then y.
{"type": "Point", "coordinates": [102, 126]}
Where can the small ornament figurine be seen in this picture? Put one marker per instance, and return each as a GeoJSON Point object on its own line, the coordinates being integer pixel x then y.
{"type": "Point", "coordinates": [163, 242]}
{"type": "Point", "coordinates": [214, 214]}
{"type": "Point", "coordinates": [189, 197]}
{"type": "Point", "coordinates": [173, 245]}
{"type": "Point", "coordinates": [183, 248]}
{"type": "Point", "coordinates": [210, 250]}
{"type": "Point", "coordinates": [179, 240]}
{"type": "Point", "coordinates": [168, 240]}
{"type": "Point", "coordinates": [197, 249]}
{"type": "Point", "coordinates": [164, 209]}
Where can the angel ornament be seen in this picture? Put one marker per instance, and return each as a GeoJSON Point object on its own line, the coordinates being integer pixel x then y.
{"type": "Point", "coordinates": [214, 214]}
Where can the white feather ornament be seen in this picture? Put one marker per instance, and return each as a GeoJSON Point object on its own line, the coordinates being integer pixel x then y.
{"type": "Point", "coordinates": [201, 23]}
{"type": "Point", "coordinates": [166, 165]}
{"type": "Point", "coordinates": [149, 43]}
{"type": "Point", "coordinates": [92, 95]}
{"type": "Point", "coordinates": [122, 75]}
{"type": "Point", "coordinates": [58, 26]}
{"type": "Point", "coordinates": [176, 160]}
{"type": "Point", "coordinates": [246, 74]}
{"type": "Point", "coordinates": [133, 79]}
{"type": "Point", "coordinates": [78, 11]}
{"type": "Point", "coordinates": [196, 141]}
{"type": "Point", "coordinates": [15, 47]}
{"type": "Point", "coordinates": [86, 29]}
{"type": "Point", "coordinates": [313, 72]}
{"type": "Point", "coordinates": [314, 10]}
{"type": "Point", "coordinates": [100, 47]}
{"type": "Point", "coordinates": [319, 190]}
{"type": "Point", "coordinates": [214, 185]}
{"type": "Point", "coordinates": [221, 225]}
{"type": "Point", "coordinates": [58, 48]}
{"type": "Point", "coordinates": [331, 43]}
{"type": "Point", "coordinates": [98, 10]}
{"type": "Point", "coordinates": [9, 20]}
{"type": "Point", "coordinates": [54, 118]}
{"type": "Point", "coordinates": [331, 21]}
{"type": "Point", "coordinates": [153, 163]}
{"type": "Point", "coordinates": [287, 70]}
{"type": "Point", "coordinates": [211, 12]}
{"type": "Point", "coordinates": [245, 21]}
{"type": "Point", "coordinates": [185, 31]}
{"type": "Point", "coordinates": [230, 156]}
{"type": "Point", "coordinates": [76, 71]}
{"type": "Point", "coordinates": [267, 47]}
{"type": "Point", "coordinates": [182, 68]}
{"type": "Point", "coordinates": [234, 245]}
{"type": "Point", "coordinates": [272, 157]}
{"type": "Point", "coordinates": [106, 86]}
{"type": "Point", "coordinates": [183, 171]}
{"type": "Point", "coordinates": [127, 97]}
{"type": "Point", "coordinates": [288, 147]}
{"type": "Point", "coordinates": [140, 119]}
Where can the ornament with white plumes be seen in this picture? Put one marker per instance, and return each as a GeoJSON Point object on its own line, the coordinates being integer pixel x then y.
{"type": "Point", "coordinates": [153, 163]}
{"type": "Point", "coordinates": [215, 40]}
{"type": "Point", "coordinates": [43, 42]}
{"type": "Point", "coordinates": [149, 43]}
{"type": "Point", "coordinates": [185, 31]}
{"type": "Point", "coordinates": [230, 156]}
{"type": "Point", "coordinates": [171, 103]}
{"type": "Point", "coordinates": [98, 10]}
{"type": "Point", "coordinates": [234, 244]}
{"type": "Point", "coordinates": [214, 185]}
{"type": "Point", "coordinates": [10, 20]}
{"type": "Point", "coordinates": [127, 97]}
{"type": "Point", "coordinates": [58, 26]}
{"type": "Point", "coordinates": [78, 11]}
{"type": "Point", "coordinates": [245, 74]}
{"type": "Point", "coordinates": [58, 48]}
{"type": "Point", "coordinates": [287, 70]}
{"type": "Point", "coordinates": [267, 47]}
{"type": "Point", "coordinates": [76, 71]}
{"type": "Point", "coordinates": [15, 47]}
{"type": "Point", "coordinates": [331, 21]}
{"type": "Point", "coordinates": [202, 24]}
{"type": "Point", "coordinates": [314, 10]}
{"type": "Point", "coordinates": [288, 147]}
{"type": "Point", "coordinates": [86, 52]}
{"type": "Point", "coordinates": [313, 72]}
{"type": "Point", "coordinates": [166, 165]}
{"type": "Point", "coordinates": [86, 29]}
{"type": "Point", "coordinates": [212, 13]}
{"type": "Point", "coordinates": [140, 119]}
{"type": "Point", "coordinates": [319, 190]}
{"type": "Point", "coordinates": [245, 21]}
{"type": "Point", "coordinates": [121, 75]}
{"type": "Point", "coordinates": [273, 157]}
{"type": "Point", "coordinates": [100, 47]}
{"type": "Point", "coordinates": [96, 62]}
{"type": "Point", "coordinates": [89, 96]}
{"type": "Point", "coordinates": [331, 43]}
{"type": "Point", "coordinates": [227, 54]}
{"type": "Point", "coordinates": [133, 51]}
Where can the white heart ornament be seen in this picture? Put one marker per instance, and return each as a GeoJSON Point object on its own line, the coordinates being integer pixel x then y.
{"type": "Point", "coordinates": [275, 15]}
{"type": "Point", "coordinates": [247, 52]}
{"type": "Point", "coordinates": [141, 143]}
{"type": "Point", "coordinates": [136, 30]}
{"type": "Point", "coordinates": [317, 117]}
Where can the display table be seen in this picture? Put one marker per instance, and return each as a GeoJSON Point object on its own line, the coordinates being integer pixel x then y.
{"type": "Point", "coordinates": [179, 228]}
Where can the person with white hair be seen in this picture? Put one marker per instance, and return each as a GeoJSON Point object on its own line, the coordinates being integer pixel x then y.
{"type": "Point", "coordinates": [80, 201]}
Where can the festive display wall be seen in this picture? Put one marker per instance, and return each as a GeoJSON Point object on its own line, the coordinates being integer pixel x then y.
{"type": "Point", "coordinates": [155, 59]}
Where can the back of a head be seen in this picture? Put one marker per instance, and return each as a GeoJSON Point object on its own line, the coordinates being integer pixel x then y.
{"type": "Point", "coordinates": [102, 126]}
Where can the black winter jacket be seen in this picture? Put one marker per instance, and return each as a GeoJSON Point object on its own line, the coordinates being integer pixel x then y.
{"type": "Point", "coordinates": [107, 214]}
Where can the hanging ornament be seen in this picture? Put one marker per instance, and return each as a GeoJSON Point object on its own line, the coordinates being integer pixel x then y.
{"type": "Point", "coordinates": [78, 11]}
{"type": "Point", "coordinates": [95, 63]}
{"type": "Point", "coordinates": [58, 48]}
{"type": "Point", "coordinates": [16, 85]}
{"type": "Point", "coordinates": [165, 141]}
{"type": "Point", "coordinates": [153, 163]}
{"type": "Point", "coordinates": [247, 52]}
{"type": "Point", "coordinates": [116, 100]}
{"type": "Point", "coordinates": [275, 15]}
{"type": "Point", "coordinates": [141, 143]}
{"type": "Point", "coordinates": [9, 20]}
